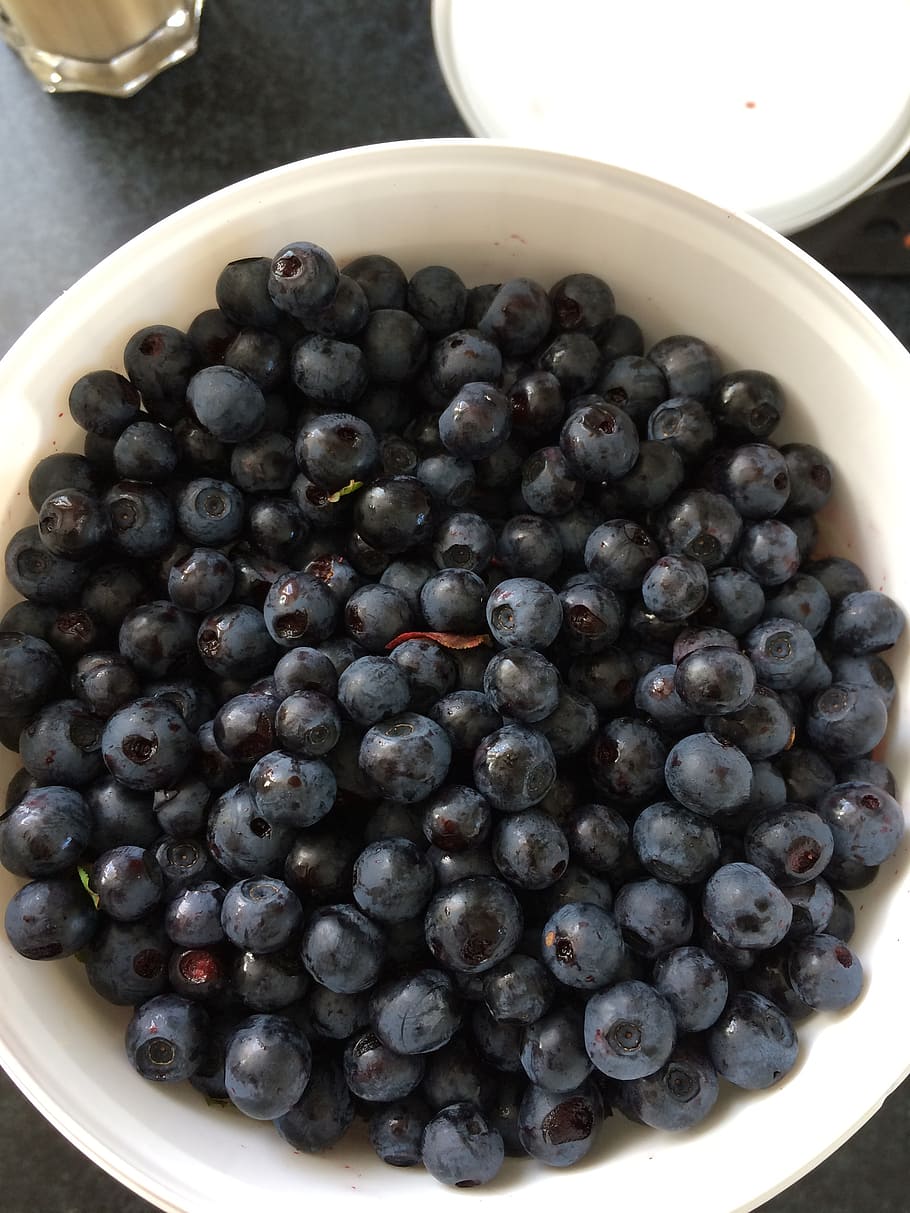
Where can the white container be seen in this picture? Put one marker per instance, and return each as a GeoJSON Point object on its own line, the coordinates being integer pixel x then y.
{"type": "Point", "coordinates": [678, 264]}
{"type": "Point", "coordinates": [786, 111]}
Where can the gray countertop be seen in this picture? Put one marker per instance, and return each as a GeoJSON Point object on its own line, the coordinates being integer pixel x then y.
{"type": "Point", "coordinates": [276, 81]}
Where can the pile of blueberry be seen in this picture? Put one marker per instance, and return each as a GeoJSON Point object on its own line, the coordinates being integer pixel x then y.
{"type": "Point", "coordinates": [429, 709]}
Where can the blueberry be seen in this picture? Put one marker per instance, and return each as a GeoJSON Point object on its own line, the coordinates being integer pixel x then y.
{"type": "Point", "coordinates": [752, 1044]}
{"type": "Point", "coordinates": [322, 1114]}
{"type": "Point", "coordinates": [770, 552]}
{"type": "Point", "coordinates": [606, 678]}
{"type": "Point", "coordinates": [29, 672]}
{"type": "Point", "coordinates": [537, 404]}
{"type": "Point", "coordinates": [524, 611]}
{"type": "Point", "coordinates": [598, 836]}
{"type": "Point", "coordinates": [456, 818]}
{"type": "Point", "coordinates": [675, 844]}
{"type": "Point", "coordinates": [518, 990]}
{"type": "Point", "coordinates": [166, 1038]}
{"type": "Point", "coordinates": [375, 615]}
{"type": "Point", "coordinates": [592, 616]}
{"type": "Point", "coordinates": [866, 671]}
{"type": "Point", "coordinates": [464, 357]}
{"type": "Point", "coordinates": [37, 574]}
{"type": "Point", "coordinates": [811, 477]}
{"type": "Point", "coordinates": [305, 669]}
{"type": "Point", "coordinates": [455, 1074]}
{"type": "Point", "coordinates": [553, 1052]}
{"type": "Point", "coordinates": [514, 768]}
{"type": "Point", "coordinates": [782, 652]}
{"type": "Point", "coordinates": [62, 744]}
{"type": "Point", "coordinates": [749, 404]}
{"type": "Point", "coordinates": [653, 917]}
{"type": "Point", "coordinates": [708, 775]}
{"type": "Point", "coordinates": [846, 721]}
{"type": "Point", "coordinates": [813, 905]}
{"type": "Point", "coordinates": [866, 622]}
{"type": "Point", "coordinates": [73, 524]}
{"type": "Point", "coordinates": [342, 949]}
{"type": "Point", "coordinates": [599, 441]}
{"type": "Point", "coordinates": [202, 581]}
{"type": "Point", "coordinates": [210, 512]}
{"type": "Point", "coordinates": [126, 963]}
{"type": "Point", "coordinates": [868, 770]}
{"type": "Point", "coordinates": [574, 359]}
{"type": "Point", "coordinates": [473, 923]}
{"type": "Point", "coordinates": [736, 601]}
{"type": "Point", "coordinates": [235, 642]}
{"type": "Point", "coordinates": [517, 317]}
{"type": "Point", "coordinates": [302, 278]}
{"type": "Point", "coordinates": [415, 1014]}
{"type": "Point", "coordinates": [382, 280]}
{"type": "Point", "coordinates": [839, 577]}
{"type": "Point", "coordinates": [336, 1016]}
{"type": "Point", "coordinates": [104, 402]}
{"type": "Point", "coordinates": [825, 973]}
{"type": "Point", "coordinates": [582, 946]}
{"type": "Point", "coordinates": [762, 728]}
{"type": "Point", "coordinates": [629, 1030]}
{"type": "Point", "coordinates": [530, 849]}
{"type": "Point", "coordinates": [756, 478]}
{"type": "Point", "coordinates": [260, 356]}
{"type": "Point", "coordinates": [193, 916]}
{"type": "Point", "coordinates": [160, 361]}
{"type": "Point", "coordinates": [685, 424]}
{"type": "Point", "coordinates": [375, 1073]}
{"type": "Point", "coordinates": [299, 609]}
{"type": "Point", "coordinates": [464, 541]}
{"type": "Point", "coordinates": [497, 1041]}
{"type": "Point", "coordinates": [264, 463]}
{"type": "Point", "coordinates": [429, 669]}
{"type": "Point", "coordinates": [393, 880]}
{"type": "Point", "coordinates": [62, 470]}
{"type": "Point", "coordinates": [694, 984]}
{"type": "Point", "coordinates": [460, 1149]}
{"type": "Point", "coordinates": [715, 681]}
{"type": "Point", "coordinates": [653, 479]}
{"type": "Point", "coordinates": [142, 519]}
{"type": "Point", "coordinates": [242, 293]}
{"type": "Point", "coordinates": [448, 479]}
{"type": "Point", "coordinates": [49, 919]}
{"type": "Point", "coordinates": [700, 524]}
{"type": "Point", "coordinates": [559, 1128]}
{"type": "Point", "coordinates": [261, 914]}
{"type": "Point", "coordinates": [619, 553]}
{"type": "Point", "coordinates": [476, 421]}
{"type": "Point", "coordinates": [627, 761]}
{"type": "Point", "coordinates": [866, 822]}
{"type": "Point", "coordinates": [267, 1066]}
{"type": "Point", "coordinates": [675, 587]}
{"type": "Point", "coordinates": [307, 724]}
{"type": "Point", "coordinates": [678, 1096]}
{"type": "Point", "coordinates": [436, 297]}
{"type": "Point", "coordinates": [690, 367]}
{"type": "Point", "coordinates": [582, 303]}
{"type": "Point", "coordinates": [522, 684]}
{"type": "Point", "coordinates": [744, 906]}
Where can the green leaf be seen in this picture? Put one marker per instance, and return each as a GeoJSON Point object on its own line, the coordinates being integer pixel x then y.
{"type": "Point", "coordinates": [351, 487]}
{"type": "Point", "coordinates": [85, 876]}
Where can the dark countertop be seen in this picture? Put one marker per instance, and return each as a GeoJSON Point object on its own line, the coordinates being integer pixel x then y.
{"type": "Point", "coordinates": [275, 81]}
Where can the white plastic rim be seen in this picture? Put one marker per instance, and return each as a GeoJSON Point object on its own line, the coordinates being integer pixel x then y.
{"type": "Point", "coordinates": [784, 110]}
{"type": "Point", "coordinates": [678, 264]}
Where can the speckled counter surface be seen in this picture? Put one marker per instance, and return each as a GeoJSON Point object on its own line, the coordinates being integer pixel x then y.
{"type": "Point", "coordinates": [274, 81]}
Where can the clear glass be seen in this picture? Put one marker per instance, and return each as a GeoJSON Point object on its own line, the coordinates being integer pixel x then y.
{"type": "Point", "coordinates": [100, 46]}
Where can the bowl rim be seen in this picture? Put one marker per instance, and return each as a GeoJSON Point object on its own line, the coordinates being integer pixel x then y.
{"type": "Point", "coordinates": [189, 222]}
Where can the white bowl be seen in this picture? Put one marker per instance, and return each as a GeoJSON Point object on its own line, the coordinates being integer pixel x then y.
{"type": "Point", "coordinates": [677, 264]}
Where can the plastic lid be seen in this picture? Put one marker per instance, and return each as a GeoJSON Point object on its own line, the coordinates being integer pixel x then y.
{"type": "Point", "coordinates": [785, 109]}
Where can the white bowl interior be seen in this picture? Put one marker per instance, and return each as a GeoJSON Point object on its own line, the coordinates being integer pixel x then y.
{"type": "Point", "coordinates": [676, 264]}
